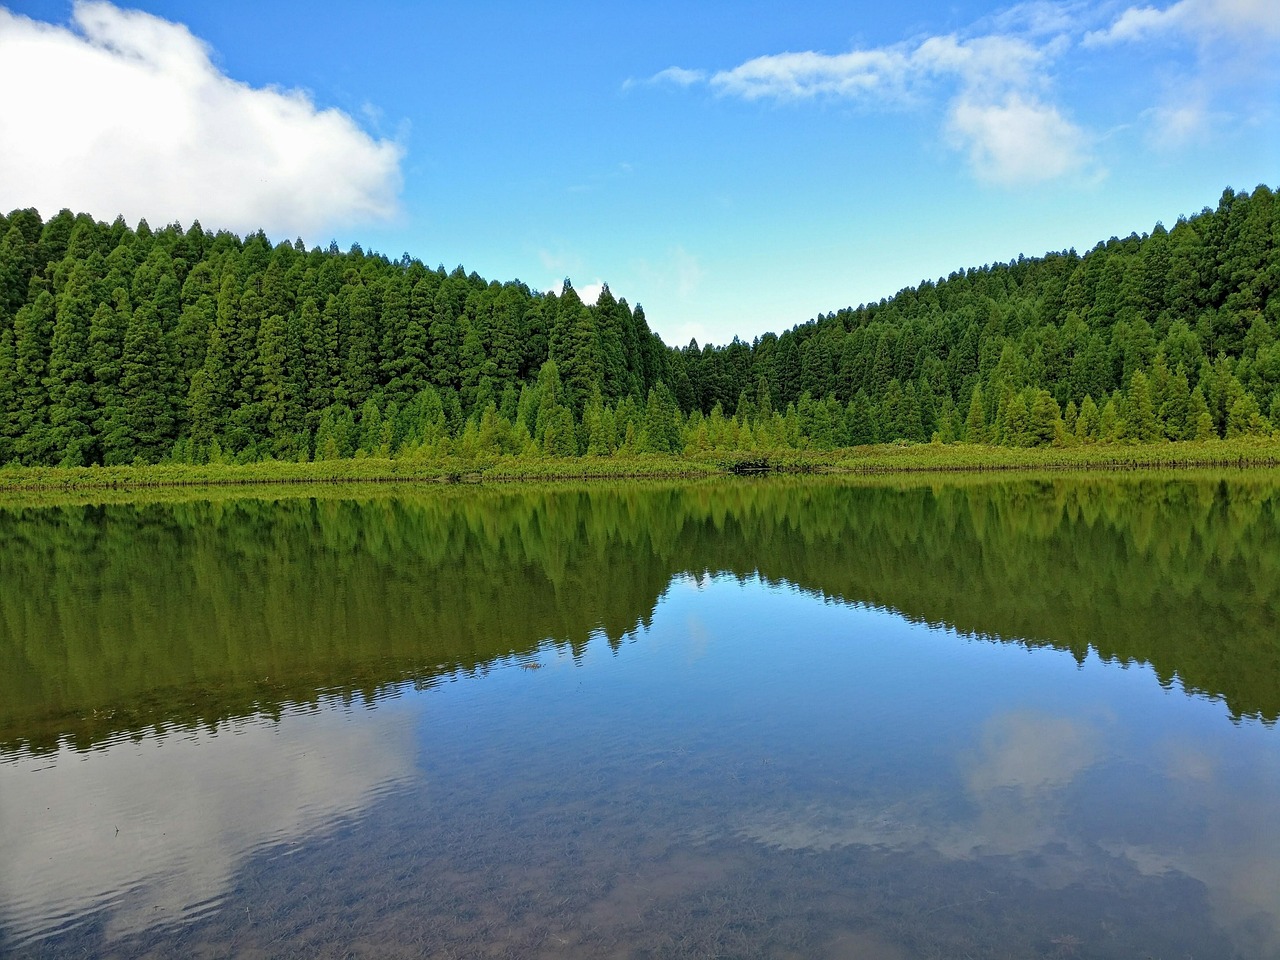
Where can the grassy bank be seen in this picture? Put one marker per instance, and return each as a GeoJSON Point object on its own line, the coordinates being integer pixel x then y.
{"type": "Point", "coordinates": [883, 459]}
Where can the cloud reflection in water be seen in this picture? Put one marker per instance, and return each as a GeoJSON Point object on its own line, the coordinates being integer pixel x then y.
{"type": "Point", "coordinates": [153, 829]}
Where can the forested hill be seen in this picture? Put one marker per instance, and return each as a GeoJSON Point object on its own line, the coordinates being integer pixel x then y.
{"type": "Point", "coordinates": [120, 345]}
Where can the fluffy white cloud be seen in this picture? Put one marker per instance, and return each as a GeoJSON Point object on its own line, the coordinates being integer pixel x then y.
{"type": "Point", "coordinates": [588, 293]}
{"type": "Point", "coordinates": [130, 116]}
{"type": "Point", "coordinates": [987, 65]}
{"type": "Point", "coordinates": [1016, 141]}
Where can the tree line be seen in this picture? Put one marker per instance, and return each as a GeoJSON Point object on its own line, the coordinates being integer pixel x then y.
{"type": "Point", "coordinates": [123, 345]}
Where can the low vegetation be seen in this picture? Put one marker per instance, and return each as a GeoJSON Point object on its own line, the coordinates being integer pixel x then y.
{"type": "Point", "coordinates": [879, 459]}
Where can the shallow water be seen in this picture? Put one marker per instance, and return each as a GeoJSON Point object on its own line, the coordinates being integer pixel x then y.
{"type": "Point", "coordinates": [779, 719]}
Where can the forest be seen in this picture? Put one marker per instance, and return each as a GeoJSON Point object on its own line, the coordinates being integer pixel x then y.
{"type": "Point", "coordinates": [123, 345]}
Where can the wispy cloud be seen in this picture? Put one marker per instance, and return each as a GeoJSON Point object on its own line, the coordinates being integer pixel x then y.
{"type": "Point", "coordinates": [675, 76]}
{"type": "Point", "coordinates": [132, 117]}
{"type": "Point", "coordinates": [1201, 20]}
{"type": "Point", "coordinates": [1236, 44]}
{"type": "Point", "coordinates": [997, 82]}
{"type": "Point", "coordinates": [808, 74]}
{"type": "Point", "coordinates": [679, 76]}
{"type": "Point", "coordinates": [995, 88]}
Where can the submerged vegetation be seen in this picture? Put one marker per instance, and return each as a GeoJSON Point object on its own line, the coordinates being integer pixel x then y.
{"type": "Point", "coordinates": [121, 346]}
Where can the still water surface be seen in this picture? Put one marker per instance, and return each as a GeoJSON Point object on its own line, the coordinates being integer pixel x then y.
{"type": "Point", "coordinates": [778, 719]}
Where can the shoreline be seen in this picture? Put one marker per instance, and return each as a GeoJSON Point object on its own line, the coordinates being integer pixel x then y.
{"type": "Point", "coordinates": [883, 460]}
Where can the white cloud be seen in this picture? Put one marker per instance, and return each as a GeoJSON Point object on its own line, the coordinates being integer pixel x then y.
{"type": "Point", "coordinates": [808, 74]}
{"type": "Point", "coordinates": [1039, 18]}
{"type": "Point", "coordinates": [132, 117]}
{"type": "Point", "coordinates": [988, 63]}
{"type": "Point", "coordinates": [588, 293]}
{"type": "Point", "coordinates": [1227, 81]}
{"type": "Point", "coordinates": [676, 76]}
{"type": "Point", "coordinates": [679, 76]}
{"type": "Point", "coordinates": [995, 82]}
{"type": "Point", "coordinates": [997, 113]}
{"type": "Point", "coordinates": [1174, 125]}
{"type": "Point", "coordinates": [1016, 141]}
{"type": "Point", "coordinates": [1200, 20]}
{"type": "Point", "coordinates": [1136, 23]}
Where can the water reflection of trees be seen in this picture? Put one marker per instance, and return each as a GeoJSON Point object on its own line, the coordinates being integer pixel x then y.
{"type": "Point", "coordinates": [117, 617]}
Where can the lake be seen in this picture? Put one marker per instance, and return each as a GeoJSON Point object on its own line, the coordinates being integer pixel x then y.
{"type": "Point", "coordinates": [780, 718]}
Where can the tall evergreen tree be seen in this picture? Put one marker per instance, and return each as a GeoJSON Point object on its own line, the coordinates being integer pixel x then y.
{"type": "Point", "coordinates": [32, 334]}
{"type": "Point", "coordinates": [107, 331]}
{"type": "Point", "coordinates": [145, 375]}
{"type": "Point", "coordinates": [71, 413]}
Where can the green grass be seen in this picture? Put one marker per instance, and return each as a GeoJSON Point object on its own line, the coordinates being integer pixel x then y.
{"type": "Point", "coordinates": [890, 458]}
{"type": "Point", "coordinates": [881, 459]}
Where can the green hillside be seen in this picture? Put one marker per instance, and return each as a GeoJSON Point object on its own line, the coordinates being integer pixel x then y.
{"type": "Point", "coordinates": [138, 346]}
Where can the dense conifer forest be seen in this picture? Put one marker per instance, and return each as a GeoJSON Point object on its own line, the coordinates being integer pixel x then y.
{"type": "Point", "coordinates": [121, 345]}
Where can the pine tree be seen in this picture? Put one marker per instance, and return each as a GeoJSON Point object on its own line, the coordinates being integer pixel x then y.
{"type": "Point", "coordinates": [395, 300]}
{"type": "Point", "coordinates": [975, 424]}
{"type": "Point", "coordinates": [1110, 425]}
{"type": "Point", "coordinates": [477, 371]}
{"type": "Point", "coordinates": [574, 344]}
{"type": "Point", "coordinates": [106, 348]}
{"type": "Point", "coordinates": [17, 261]}
{"type": "Point", "coordinates": [145, 371]}
{"type": "Point", "coordinates": [611, 321]}
{"type": "Point", "coordinates": [71, 413]}
{"type": "Point", "coordinates": [8, 395]}
{"type": "Point", "coordinates": [547, 399]}
{"type": "Point", "coordinates": [316, 391]}
{"type": "Point", "coordinates": [1087, 422]}
{"type": "Point", "coordinates": [1175, 408]}
{"type": "Point", "coordinates": [1199, 420]}
{"type": "Point", "coordinates": [273, 382]}
{"type": "Point", "coordinates": [1143, 425]}
{"type": "Point", "coordinates": [558, 435]}
{"type": "Point", "coordinates": [1044, 419]}
{"type": "Point", "coordinates": [445, 331]}
{"type": "Point", "coordinates": [359, 340]}
{"type": "Point", "coordinates": [661, 430]}
{"type": "Point", "coordinates": [32, 334]}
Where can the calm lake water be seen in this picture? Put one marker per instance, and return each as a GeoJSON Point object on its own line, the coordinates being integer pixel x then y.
{"type": "Point", "coordinates": [786, 718]}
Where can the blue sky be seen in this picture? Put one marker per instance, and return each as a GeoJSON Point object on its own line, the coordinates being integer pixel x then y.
{"type": "Point", "coordinates": [734, 167]}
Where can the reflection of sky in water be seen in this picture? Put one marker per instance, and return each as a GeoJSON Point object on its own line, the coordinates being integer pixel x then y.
{"type": "Point", "coordinates": [1045, 757]}
{"type": "Point", "coordinates": [747, 715]}
{"type": "Point", "coordinates": [155, 828]}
